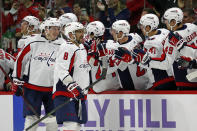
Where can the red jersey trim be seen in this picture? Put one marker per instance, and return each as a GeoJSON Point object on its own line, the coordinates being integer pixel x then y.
{"type": "Point", "coordinates": [38, 88]}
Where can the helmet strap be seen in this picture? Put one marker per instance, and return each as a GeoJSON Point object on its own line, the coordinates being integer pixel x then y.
{"type": "Point", "coordinates": [120, 37]}
{"type": "Point", "coordinates": [171, 27]}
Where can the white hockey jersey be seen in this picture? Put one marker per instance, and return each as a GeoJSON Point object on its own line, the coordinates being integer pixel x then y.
{"type": "Point", "coordinates": [7, 63]}
{"type": "Point", "coordinates": [161, 50]}
{"type": "Point", "coordinates": [24, 41]}
{"type": "Point", "coordinates": [137, 77]}
{"type": "Point", "coordinates": [162, 54]}
{"type": "Point", "coordinates": [41, 55]}
{"type": "Point", "coordinates": [71, 62]}
{"type": "Point", "coordinates": [189, 34]}
{"type": "Point", "coordinates": [111, 81]}
{"type": "Point", "coordinates": [21, 42]}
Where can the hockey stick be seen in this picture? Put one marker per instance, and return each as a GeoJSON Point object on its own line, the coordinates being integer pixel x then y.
{"type": "Point", "coordinates": [25, 100]}
{"type": "Point", "coordinates": [103, 75]}
{"type": "Point", "coordinates": [191, 76]}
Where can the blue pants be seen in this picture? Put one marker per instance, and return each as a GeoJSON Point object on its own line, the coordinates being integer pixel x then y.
{"type": "Point", "coordinates": [70, 111]}
{"type": "Point", "coordinates": [36, 98]}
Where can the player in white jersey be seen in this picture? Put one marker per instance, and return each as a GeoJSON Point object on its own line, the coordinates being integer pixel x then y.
{"type": "Point", "coordinates": [129, 75]}
{"type": "Point", "coordinates": [153, 53]}
{"type": "Point", "coordinates": [29, 26]}
{"type": "Point", "coordinates": [41, 55]}
{"type": "Point", "coordinates": [188, 33]}
{"type": "Point", "coordinates": [71, 75]}
{"type": "Point", "coordinates": [7, 64]}
{"type": "Point", "coordinates": [95, 31]}
{"type": "Point", "coordinates": [65, 19]}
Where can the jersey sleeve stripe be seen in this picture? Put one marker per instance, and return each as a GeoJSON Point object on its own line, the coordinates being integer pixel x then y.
{"type": "Point", "coordinates": [162, 58]}
{"type": "Point", "coordinates": [20, 59]}
{"type": "Point", "coordinates": [192, 46]}
{"type": "Point", "coordinates": [72, 62]}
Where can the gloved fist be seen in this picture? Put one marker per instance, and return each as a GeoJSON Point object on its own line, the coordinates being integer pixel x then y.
{"type": "Point", "coordinates": [140, 56]}
{"type": "Point", "coordinates": [75, 90]}
{"type": "Point", "coordinates": [176, 40]}
{"type": "Point", "coordinates": [17, 87]}
{"type": "Point", "coordinates": [87, 45]}
{"type": "Point", "coordinates": [102, 51]}
{"type": "Point", "coordinates": [173, 38]}
{"type": "Point", "coordinates": [18, 91]}
{"type": "Point", "coordinates": [18, 82]}
{"type": "Point", "coordinates": [123, 54]}
{"type": "Point", "coordinates": [186, 63]}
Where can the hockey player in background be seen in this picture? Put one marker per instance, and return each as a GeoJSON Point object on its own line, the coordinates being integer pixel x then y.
{"type": "Point", "coordinates": [187, 54]}
{"type": "Point", "coordinates": [71, 75]}
{"type": "Point", "coordinates": [37, 89]}
{"type": "Point", "coordinates": [95, 31]}
{"type": "Point", "coordinates": [130, 76]}
{"type": "Point", "coordinates": [7, 65]}
{"type": "Point", "coordinates": [29, 26]}
{"type": "Point", "coordinates": [153, 53]}
{"type": "Point", "coordinates": [67, 18]}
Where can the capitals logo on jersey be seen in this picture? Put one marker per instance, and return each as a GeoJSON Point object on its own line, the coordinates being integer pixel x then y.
{"type": "Point", "coordinates": [48, 57]}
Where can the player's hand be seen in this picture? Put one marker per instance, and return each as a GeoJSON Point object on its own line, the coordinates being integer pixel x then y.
{"type": "Point", "coordinates": [140, 56]}
{"type": "Point", "coordinates": [75, 90]}
{"type": "Point", "coordinates": [173, 38]}
{"type": "Point", "coordinates": [8, 86]}
{"type": "Point", "coordinates": [18, 82]}
{"type": "Point", "coordinates": [15, 8]}
{"type": "Point", "coordinates": [87, 45]}
{"type": "Point", "coordinates": [102, 51]}
{"type": "Point", "coordinates": [186, 63]}
{"type": "Point", "coordinates": [176, 40]}
{"type": "Point", "coordinates": [123, 54]}
{"type": "Point", "coordinates": [105, 49]}
{"type": "Point", "coordinates": [17, 89]}
{"type": "Point", "coordinates": [101, 6]}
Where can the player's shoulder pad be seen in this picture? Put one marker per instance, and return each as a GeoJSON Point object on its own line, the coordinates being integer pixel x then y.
{"type": "Point", "coordinates": [164, 31]}
{"type": "Point", "coordinates": [190, 25]}
{"type": "Point", "coordinates": [112, 45]}
{"type": "Point", "coordinates": [59, 41]}
{"type": "Point", "coordinates": [137, 37]}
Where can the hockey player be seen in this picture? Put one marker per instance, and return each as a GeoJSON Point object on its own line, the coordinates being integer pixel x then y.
{"type": "Point", "coordinates": [29, 26]}
{"type": "Point", "coordinates": [67, 18]}
{"type": "Point", "coordinates": [71, 75]}
{"type": "Point", "coordinates": [7, 64]}
{"type": "Point", "coordinates": [154, 52]}
{"type": "Point", "coordinates": [188, 52]}
{"type": "Point", "coordinates": [41, 55]}
{"type": "Point", "coordinates": [95, 31]}
{"type": "Point", "coordinates": [130, 76]}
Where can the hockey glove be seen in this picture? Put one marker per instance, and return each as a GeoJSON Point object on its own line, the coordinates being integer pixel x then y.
{"type": "Point", "coordinates": [140, 56]}
{"type": "Point", "coordinates": [87, 45]}
{"type": "Point", "coordinates": [176, 40]}
{"type": "Point", "coordinates": [173, 38]}
{"type": "Point", "coordinates": [123, 54]}
{"type": "Point", "coordinates": [102, 51]}
{"type": "Point", "coordinates": [93, 54]}
{"type": "Point", "coordinates": [75, 90]}
{"type": "Point", "coordinates": [17, 87]}
{"type": "Point", "coordinates": [186, 63]}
